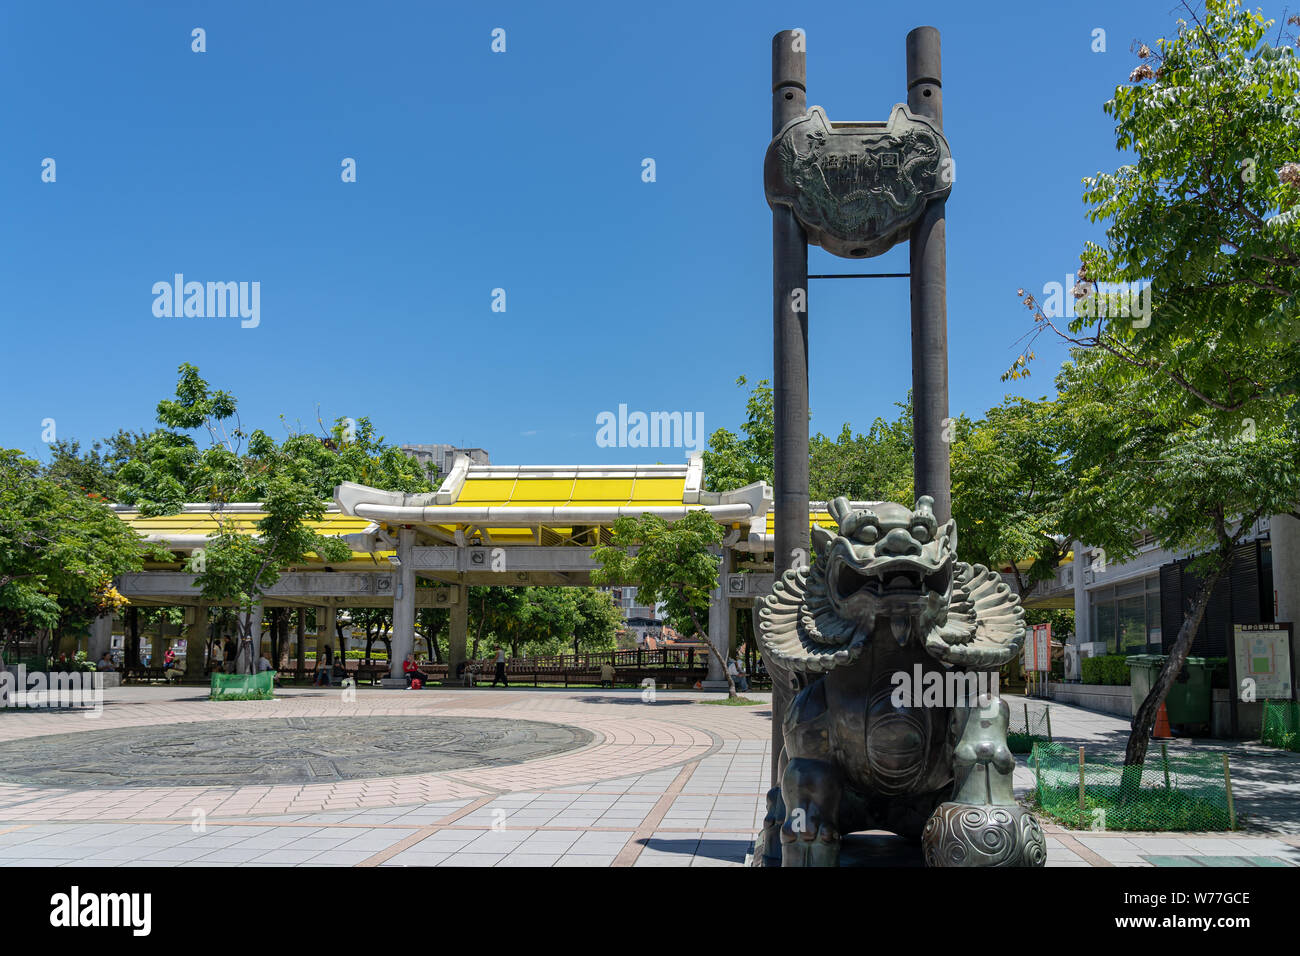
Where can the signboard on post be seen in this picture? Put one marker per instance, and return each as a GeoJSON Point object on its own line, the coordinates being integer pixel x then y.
{"type": "Point", "coordinates": [1038, 649]}
{"type": "Point", "coordinates": [1263, 657]}
{"type": "Point", "coordinates": [1037, 658]}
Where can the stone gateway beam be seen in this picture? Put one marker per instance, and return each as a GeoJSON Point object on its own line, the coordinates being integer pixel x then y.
{"type": "Point", "coordinates": [486, 525]}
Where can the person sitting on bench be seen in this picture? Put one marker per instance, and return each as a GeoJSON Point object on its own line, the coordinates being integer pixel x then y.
{"type": "Point", "coordinates": [411, 670]}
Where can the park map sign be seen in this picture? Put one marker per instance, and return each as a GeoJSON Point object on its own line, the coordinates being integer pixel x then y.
{"type": "Point", "coordinates": [1263, 653]}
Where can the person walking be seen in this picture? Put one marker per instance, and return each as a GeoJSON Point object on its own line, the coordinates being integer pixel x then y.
{"type": "Point", "coordinates": [500, 673]}
{"type": "Point", "coordinates": [325, 671]}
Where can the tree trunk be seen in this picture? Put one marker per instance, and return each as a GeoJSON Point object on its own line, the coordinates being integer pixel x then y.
{"type": "Point", "coordinates": [482, 616]}
{"type": "Point", "coordinates": [244, 654]}
{"type": "Point", "coordinates": [699, 633]}
{"type": "Point", "coordinates": [1136, 751]}
{"type": "Point", "coordinates": [133, 637]}
{"type": "Point", "coordinates": [275, 633]}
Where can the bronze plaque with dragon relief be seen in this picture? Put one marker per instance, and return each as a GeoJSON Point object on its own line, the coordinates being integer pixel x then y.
{"type": "Point", "coordinates": [857, 188]}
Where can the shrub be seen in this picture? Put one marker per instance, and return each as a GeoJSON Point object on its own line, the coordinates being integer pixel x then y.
{"type": "Point", "coordinates": [68, 665]}
{"type": "Point", "coordinates": [1106, 669]}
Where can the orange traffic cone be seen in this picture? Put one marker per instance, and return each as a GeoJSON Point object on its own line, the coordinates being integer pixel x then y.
{"type": "Point", "coordinates": [1161, 730]}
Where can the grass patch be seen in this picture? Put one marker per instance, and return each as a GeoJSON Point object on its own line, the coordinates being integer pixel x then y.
{"type": "Point", "coordinates": [1170, 792]}
{"type": "Point", "coordinates": [1287, 741]}
{"type": "Point", "coordinates": [1150, 809]}
{"type": "Point", "coordinates": [733, 702]}
{"type": "Point", "coordinates": [1023, 743]}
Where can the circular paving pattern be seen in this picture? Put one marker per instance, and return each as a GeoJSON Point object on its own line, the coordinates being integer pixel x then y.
{"type": "Point", "coordinates": [278, 751]}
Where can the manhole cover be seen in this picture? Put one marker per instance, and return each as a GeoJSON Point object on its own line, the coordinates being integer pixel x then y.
{"type": "Point", "coordinates": [279, 751]}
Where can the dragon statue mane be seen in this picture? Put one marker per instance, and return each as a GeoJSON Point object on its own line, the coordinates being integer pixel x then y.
{"type": "Point", "coordinates": [898, 564]}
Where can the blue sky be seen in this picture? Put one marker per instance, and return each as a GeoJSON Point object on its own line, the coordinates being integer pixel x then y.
{"type": "Point", "coordinates": [521, 171]}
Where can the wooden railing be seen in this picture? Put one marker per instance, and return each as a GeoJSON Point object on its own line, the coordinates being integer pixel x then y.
{"type": "Point", "coordinates": [667, 663]}
{"type": "Point", "coordinates": [686, 657]}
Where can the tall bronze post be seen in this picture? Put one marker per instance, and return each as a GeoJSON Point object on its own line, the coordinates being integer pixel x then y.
{"type": "Point", "coordinates": [844, 628]}
{"type": "Point", "coordinates": [790, 340]}
{"type": "Point", "coordinates": [929, 268]}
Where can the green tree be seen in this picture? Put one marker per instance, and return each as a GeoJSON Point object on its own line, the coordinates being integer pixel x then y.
{"type": "Point", "coordinates": [1178, 417]}
{"type": "Point", "coordinates": [235, 567]}
{"type": "Point", "coordinates": [94, 470]}
{"type": "Point", "coordinates": [59, 552]}
{"type": "Point", "coordinates": [733, 461]}
{"type": "Point", "coordinates": [158, 468]}
{"type": "Point", "coordinates": [1207, 212]}
{"type": "Point", "coordinates": [1196, 484]}
{"type": "Point", "coordinates": [674, 562]}
{"type": "Point", "coordinates": [1008, 480]}
{"type": "Point", "coordinates": [433, 624]}
{"type": "Point", "coordinates": [377, 623]}
{"type": "Point", "coordinates": [598, 622]}
{"type": "Point", "coordinates": [547, 618]}
{"type": "Point", "coordinates": [876, 466]}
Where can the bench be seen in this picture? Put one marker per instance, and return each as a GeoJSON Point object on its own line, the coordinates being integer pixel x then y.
{"type": "Point", "coordinates": [144, 674]}
{"type": "Point", "coordinates": [369, 672]}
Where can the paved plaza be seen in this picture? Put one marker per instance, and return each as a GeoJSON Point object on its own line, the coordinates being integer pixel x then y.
{"type": "Point", "coordinates": [481, 777]}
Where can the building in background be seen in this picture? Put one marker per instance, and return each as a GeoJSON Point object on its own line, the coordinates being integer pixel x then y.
{"type": "Point", "coordinates": [1137, 607]}
{"type": "Point", "coordinates": [641, 622]}
{"type": "Point", "coordinates": [437, 459]}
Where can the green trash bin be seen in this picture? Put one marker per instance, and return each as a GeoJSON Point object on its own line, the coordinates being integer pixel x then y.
{"type": "Point", "coordinates": [1197, 694]}
{"type": "Point", "coordinates": [1188, 700]}
{"type": "Point", "coordinates": [1143, 669]}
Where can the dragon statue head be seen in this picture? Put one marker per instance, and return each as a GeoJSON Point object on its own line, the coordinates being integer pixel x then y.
{"type": "Point", "coordinates": [895, 567]}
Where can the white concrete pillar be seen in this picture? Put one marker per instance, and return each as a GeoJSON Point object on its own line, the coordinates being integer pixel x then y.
{"type": "Point", "coordinates": [196, 641]}
{"type": "Point", "coordinates": [721, 621]}
{"type": "Point", "coordinates": [101, 637]}
{"type": "Point", "coordinates": [457, 630]}
{"type": "Point", "coordinates": [1284, 536]}
{"type": "Point", "coordinates": [324, 630]}
{"type": "Point", "coordinates": [403, 603]}
{"type": "Point", "coordinates": [1082, 617]}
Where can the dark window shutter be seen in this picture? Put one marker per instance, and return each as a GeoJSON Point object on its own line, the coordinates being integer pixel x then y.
{"type": "Point", "coordinates": [1171, 604]}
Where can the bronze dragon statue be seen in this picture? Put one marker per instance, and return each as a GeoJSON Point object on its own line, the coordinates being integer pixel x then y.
{"type": "Point", "coordinates": [885, 610]}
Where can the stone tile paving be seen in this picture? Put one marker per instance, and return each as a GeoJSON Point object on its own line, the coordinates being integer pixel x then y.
{"type": "Point", "coordinates": [669, 783]}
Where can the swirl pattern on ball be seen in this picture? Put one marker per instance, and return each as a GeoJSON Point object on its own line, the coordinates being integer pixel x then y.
{"type": "Point", "coordinates": [960, 835]}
